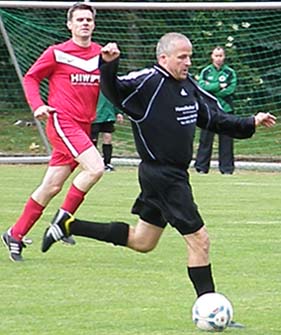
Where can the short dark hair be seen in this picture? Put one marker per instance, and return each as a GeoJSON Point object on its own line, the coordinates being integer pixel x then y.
{"type": "Point", "coordinates": [218, 47]}
{"type": "Point", "coordinates": [80, 6]}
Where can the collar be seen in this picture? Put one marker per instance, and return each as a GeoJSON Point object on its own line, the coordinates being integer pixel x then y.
{"type": "Point", "coordinates": [220, 69]}
{"type": "Point", "coordinates": [160, 69]}
{"type": "Point", "coordinates": [165, 73]}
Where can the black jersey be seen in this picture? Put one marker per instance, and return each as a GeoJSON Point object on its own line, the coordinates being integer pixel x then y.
{"type": "Point", "coordinates": [165, 112]}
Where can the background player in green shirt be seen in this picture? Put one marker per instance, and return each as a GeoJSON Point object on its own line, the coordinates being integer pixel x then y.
{"type": "Point", "coordinates": [107, 114]}
{"type": "Point", "coordinates": [220, 80]}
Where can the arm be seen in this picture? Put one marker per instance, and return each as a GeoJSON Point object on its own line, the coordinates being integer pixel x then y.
{"type": "Point", "coordinates": [110, 54]}
{"type": "Point", "coordinates": [211, 117]}
{"type": "Point", "coordinates": [213, 88]}
{"type": "Point", "coordinates": [229, 87]}
{"type": "Point", "coordinates": [118, 114]}
{"type": "Point", "coordinates": [123, 91]}
{"type": "Point", "coordinates": [41, 69]}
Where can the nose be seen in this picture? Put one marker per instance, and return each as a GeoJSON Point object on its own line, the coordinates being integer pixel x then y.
{"type": "Point", "coordinates": [188, 61]}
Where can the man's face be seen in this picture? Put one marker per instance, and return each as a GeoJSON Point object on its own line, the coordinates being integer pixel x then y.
{"type": "Point", "coordinates": [82, 24]}
{"type": "Point", "coordinates": [178, 61]}
{"type": "Point", "coordinates": [218, 57]}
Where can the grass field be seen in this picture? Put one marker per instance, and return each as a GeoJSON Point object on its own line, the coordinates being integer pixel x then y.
{"type": "Point", "coordinates": [97, 289]}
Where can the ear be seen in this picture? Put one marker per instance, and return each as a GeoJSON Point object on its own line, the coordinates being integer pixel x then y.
{"type": "Point", "coordinates": [162, 59]}
{"type": "Point", "coordinates": [69, 25]}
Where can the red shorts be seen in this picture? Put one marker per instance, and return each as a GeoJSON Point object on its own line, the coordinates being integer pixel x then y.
{"type": "Point", "coordinates": [68, 139]}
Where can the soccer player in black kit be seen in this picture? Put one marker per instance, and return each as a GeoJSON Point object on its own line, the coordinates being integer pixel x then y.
{"type": "Point", "coordinates": [165, 105]}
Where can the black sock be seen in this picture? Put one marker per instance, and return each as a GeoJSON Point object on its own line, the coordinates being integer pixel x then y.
{"type": "Point", "coordinates": [202, 279]}
{"type": "Point", "coordinates": [107, 153]}
{"type": "Point", "coordinates": [114, 232]}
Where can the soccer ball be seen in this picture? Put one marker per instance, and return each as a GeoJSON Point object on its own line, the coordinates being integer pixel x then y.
{"type": "Point", "coordinates": [212, 312]}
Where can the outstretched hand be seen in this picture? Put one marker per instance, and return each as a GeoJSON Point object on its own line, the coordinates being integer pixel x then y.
{"type": "Point", "coordinates": [110, 52]}
{"type": "Point", "coordinates": [265, 119]}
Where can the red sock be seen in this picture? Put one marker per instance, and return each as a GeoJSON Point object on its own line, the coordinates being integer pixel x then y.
{"type": "Point", "coordinates": [73, 199]}
{"type": "Point", "coordinates": [31, 213]}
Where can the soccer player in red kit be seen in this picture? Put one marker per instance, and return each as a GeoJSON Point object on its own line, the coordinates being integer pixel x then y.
{"type": "Point", "coordinates": [72, 71]}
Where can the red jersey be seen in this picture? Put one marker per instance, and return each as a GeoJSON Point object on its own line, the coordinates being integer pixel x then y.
{"type": "Point", "coordinates": [73, 76]}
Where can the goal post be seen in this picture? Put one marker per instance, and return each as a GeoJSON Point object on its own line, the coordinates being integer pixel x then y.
{"type": "Point", "coordinates": [249, 31]}
{"type": "Point", "coordinates": [20, 77]}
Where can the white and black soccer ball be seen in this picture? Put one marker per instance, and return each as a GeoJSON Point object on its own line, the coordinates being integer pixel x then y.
{"type": "Point", "coordinates": [212, 312]}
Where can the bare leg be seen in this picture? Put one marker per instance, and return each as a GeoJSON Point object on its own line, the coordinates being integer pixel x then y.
{"type": "Point", "coordinates": [144, 237]}
{"type": "Point", "coordinates": [92, 167]}
{"type": "Point", "coordinates": [198, 263]}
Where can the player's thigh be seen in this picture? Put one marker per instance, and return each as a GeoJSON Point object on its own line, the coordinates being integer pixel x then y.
{"type": "Point", "coordinates": [144, 236]}
{"type": "Point", "coordinates": [90, 160]}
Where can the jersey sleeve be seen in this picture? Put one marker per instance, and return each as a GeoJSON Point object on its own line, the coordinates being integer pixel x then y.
{"type": "Point", "coordinates": [118, 90]}
{"type": "Point", "coordinates": [213, 118]}
{"type": "Point", "coordinates": [41, 69]}
{"type": "Point", "coordinates": [108, 83]}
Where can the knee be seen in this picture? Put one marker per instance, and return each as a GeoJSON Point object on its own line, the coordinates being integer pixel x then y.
{"type": "Point", "coordinates": [96, 173]}
{"type": "Point", "coordinates": [107, 138]}
{"type": "Point", "coordinates": [99, 172]}
{"type": "Point", "coordinates": [51, 189]}
{"type": "Point", "coordinates": [56, 189]}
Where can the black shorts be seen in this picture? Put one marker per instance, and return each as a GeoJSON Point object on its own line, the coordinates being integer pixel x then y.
{"type": "Point", "coordinates": [102, 127]}
{"type": "Point", "coordinates": [166, 197]}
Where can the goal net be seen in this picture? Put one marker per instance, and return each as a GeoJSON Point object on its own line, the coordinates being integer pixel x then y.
{"type": "Point", "coordinates": [251, 38]}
